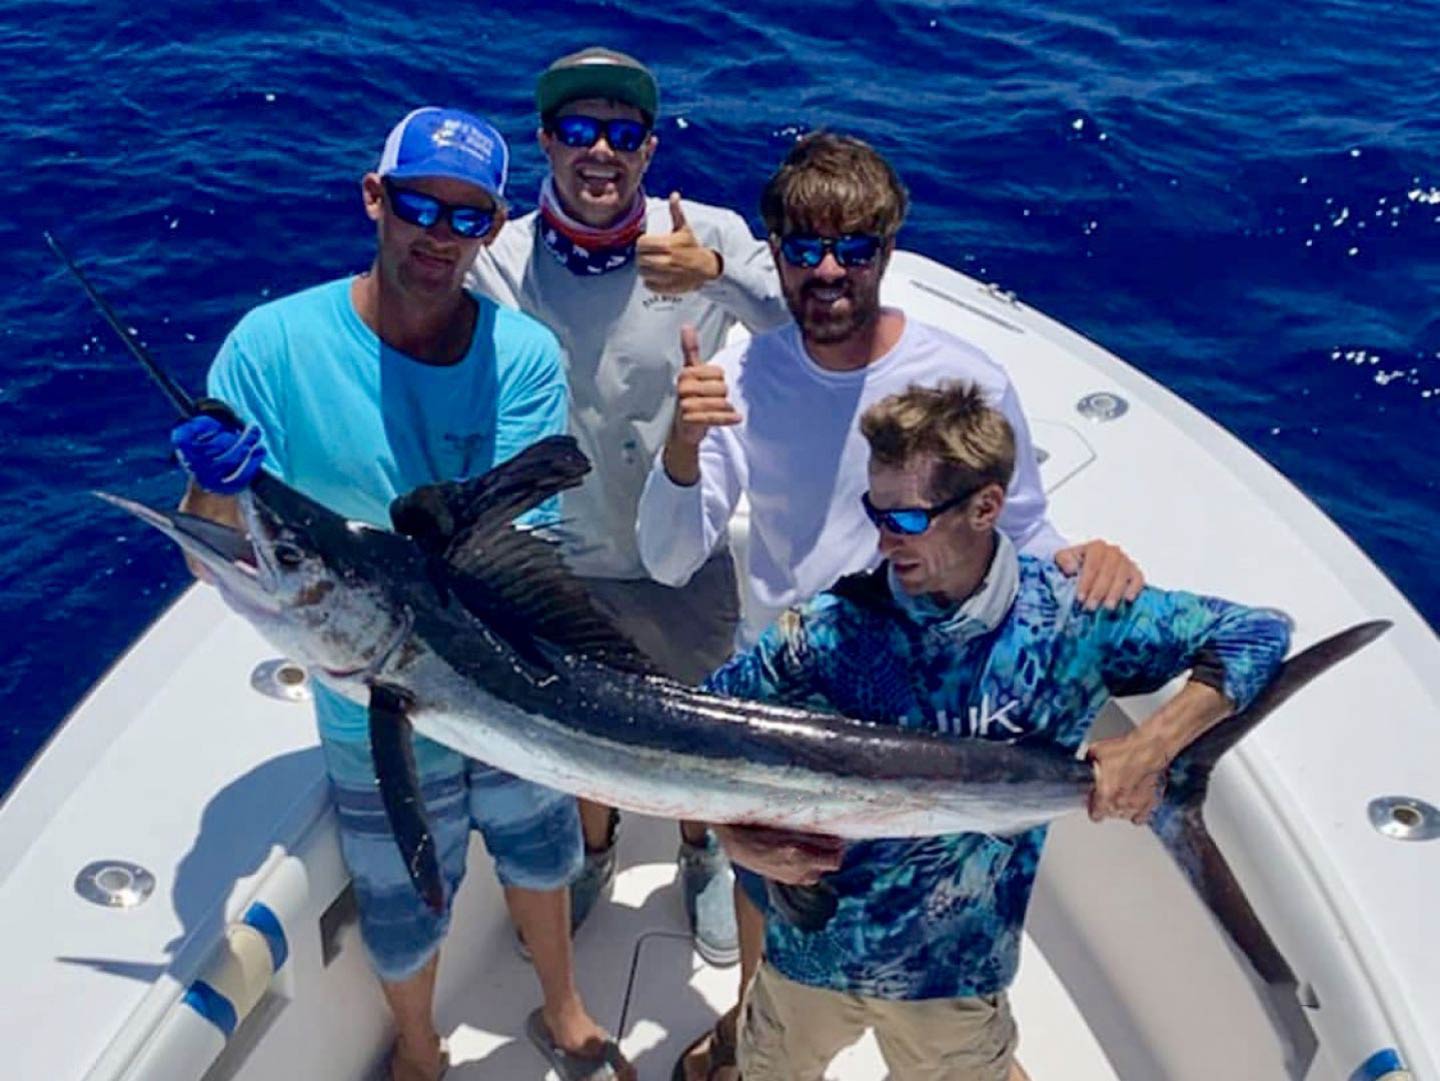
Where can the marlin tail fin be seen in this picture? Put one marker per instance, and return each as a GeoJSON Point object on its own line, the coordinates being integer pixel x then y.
{"type": "Point", "coordinates": [1180, 825]}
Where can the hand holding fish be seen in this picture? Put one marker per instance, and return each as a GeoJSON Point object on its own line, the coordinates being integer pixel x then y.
{"type": "Point", "coordinates": [1131, 770]}
{"type": "Point", "coordinates": [795, 859]}
{"type": "Point", "coordinates": [676, 262]}
{"type": "Point", "coordinates": [1129, 777]}
{"type": "Point", "coordinates": [703, 402]}
{"type": "Point", "coordinates": [221, 459]}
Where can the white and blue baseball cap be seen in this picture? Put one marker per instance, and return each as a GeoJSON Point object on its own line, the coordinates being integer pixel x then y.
{"type": "Point", "coordinates": [447, 142]}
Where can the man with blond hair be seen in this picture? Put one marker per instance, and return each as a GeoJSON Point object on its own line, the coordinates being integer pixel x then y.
{"type": "Point", "coordinates": [776, 419]}
{"type": "Point", "coordinates": [957, 634]}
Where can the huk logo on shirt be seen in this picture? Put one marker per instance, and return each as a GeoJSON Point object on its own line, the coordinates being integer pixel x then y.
{"type": "Point", "coordinates": [982, 721]}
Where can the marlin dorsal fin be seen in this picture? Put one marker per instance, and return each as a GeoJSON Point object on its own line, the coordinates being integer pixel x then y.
{"type": "Point", "coordinates": [513, 579]}
{"type": "Point", "coordinates": [445, 518]}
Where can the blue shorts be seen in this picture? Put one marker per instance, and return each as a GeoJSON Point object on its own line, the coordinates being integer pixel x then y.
{"type": "Point", "coordinates": [531, 832]}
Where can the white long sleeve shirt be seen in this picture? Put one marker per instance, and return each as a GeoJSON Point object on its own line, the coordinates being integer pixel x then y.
{"type": "Point", "coordinates": [622, 354]}
{"type": "Point", "coordinates": [800, 460]}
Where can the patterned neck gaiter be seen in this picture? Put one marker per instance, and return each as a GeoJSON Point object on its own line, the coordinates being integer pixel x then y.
{"type": "Point", "coordinates": [582, 249]}
{"type": "Point", "coordinates": [981, 612]}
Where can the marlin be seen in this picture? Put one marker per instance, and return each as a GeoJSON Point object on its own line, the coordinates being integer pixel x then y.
{"type": "Point", "coordinates": [462, 626]}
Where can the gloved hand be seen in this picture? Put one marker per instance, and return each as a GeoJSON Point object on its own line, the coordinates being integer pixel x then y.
{"type": "Point", "coordinates": [221, 459]}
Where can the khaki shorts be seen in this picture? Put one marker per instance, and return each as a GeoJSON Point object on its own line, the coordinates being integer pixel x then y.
{"type": "Point", "coordinates": [690, 631]}
{"type": "Point", "coordinates": [791, 1032]}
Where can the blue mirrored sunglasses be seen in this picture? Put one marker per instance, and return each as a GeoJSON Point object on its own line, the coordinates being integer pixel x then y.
{"type": "Point", "coordinates": [910, 521]}
{"type": "Point", "coordinates": [625, 136]}
{"type": "Point", "coordinates": [808, 250]}
{"type": "Point", "coordinates": [417, 208]}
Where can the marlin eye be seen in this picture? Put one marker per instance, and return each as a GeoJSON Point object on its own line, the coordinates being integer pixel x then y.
{"type": "Point", "coordinates": [288, 556]}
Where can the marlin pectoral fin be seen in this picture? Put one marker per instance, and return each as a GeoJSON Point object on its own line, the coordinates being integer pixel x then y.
{"type": "Point", "coordinates": [394, 758]}
{"type": "Point", "coordinates": [808, 908]}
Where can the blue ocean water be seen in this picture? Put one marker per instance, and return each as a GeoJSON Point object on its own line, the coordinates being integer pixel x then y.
{"type": "Point", "coordinates": [1242, 200]}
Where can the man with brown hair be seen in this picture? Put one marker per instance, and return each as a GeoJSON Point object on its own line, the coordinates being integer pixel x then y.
{"type": "Point", "coordinates": [615, 275]}
{"type": "Point", "coordinates": [777, 419]}
{"type": "Point", "coordinates": [357, 392]}
{"type": "Point", "coordinates": [957, 634]}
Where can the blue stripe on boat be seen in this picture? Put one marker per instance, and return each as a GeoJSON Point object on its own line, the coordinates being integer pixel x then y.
{"type": "Point", "coordinates": [261, 917]}
{"type": "Point", "coordinates": [1378, 1065]}
{"type": "Point", "coordinates": [211, 1005]}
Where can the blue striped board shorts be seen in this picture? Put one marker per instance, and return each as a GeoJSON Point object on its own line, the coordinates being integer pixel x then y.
{"type": "Point", "coordinates": [531, 832]}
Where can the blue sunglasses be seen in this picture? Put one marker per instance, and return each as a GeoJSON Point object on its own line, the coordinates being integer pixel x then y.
{"type": "Point", "coordinates": [911, 521]}
{"type": "Point", "coordinates": [807, 250]}
{"type": "Point", "coordinates": [625, 136]}
{"type": "Point", "coordinates": [417, 208]}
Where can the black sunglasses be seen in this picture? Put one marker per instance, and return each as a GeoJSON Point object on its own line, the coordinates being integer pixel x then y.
{"type": "Point", "coordinates": [417, 208]}
{"type": "Point", "coordinates": [625, 136]}
{"type": "Point", "coordinates": [807, 250]}
{"type": "Point", "coordinates": [911, 521]}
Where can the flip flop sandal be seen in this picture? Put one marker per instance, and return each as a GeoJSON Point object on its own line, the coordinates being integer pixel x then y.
{"type": "Point", "coordinates": [722, 1054]}
{"type": "Point", "coordinates": [603, 1065]}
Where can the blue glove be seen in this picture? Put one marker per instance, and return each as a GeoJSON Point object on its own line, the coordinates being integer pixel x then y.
{"type": "Point", "coordinates": [221, 459]}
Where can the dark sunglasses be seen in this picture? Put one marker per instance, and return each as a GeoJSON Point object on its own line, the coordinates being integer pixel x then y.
{"type": "Point", "coordinates": [417, 208]}
{"type": "Point", "coordinates": [911, 521]}
{"type": "Point", "coordinates": [850, 249]}
{"type": "Point", "coordinates": [625, 136]}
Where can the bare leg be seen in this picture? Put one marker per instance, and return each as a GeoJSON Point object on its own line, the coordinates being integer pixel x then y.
{"type": "Point", "coordinates": [1017, 1073]}
{"type": "Point", "coordinates": [752, 937]}
{"type": "Point", "coordinates": [698, 1065]}
{"type": "Point", "coordinates": [417, 1055]}
{"type": "Point", "coordinates": [543, 917]}
{"type": "Point", "coordinates": [693, 833]}
{"type": "Point", "coordinates": [595, 824]}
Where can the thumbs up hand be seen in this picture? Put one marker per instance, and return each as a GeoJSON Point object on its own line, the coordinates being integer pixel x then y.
{"type": "Point", "coordinates": [703, 402]}
{"type": "Point", "coordinates": [676, 262]}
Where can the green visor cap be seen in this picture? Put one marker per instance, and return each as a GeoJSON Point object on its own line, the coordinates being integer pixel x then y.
{"type": "Point", "coordinates": [598, 73]}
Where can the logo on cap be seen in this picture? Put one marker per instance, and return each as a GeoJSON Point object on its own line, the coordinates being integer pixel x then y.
{"type": "Point", "coordinates": [446, 142]}
{"type": "Point", "coordinates": [463, 136]}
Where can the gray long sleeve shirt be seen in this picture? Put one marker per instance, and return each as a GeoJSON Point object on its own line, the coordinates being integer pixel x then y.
{"type": "Point", "coordinates": [622, 348]}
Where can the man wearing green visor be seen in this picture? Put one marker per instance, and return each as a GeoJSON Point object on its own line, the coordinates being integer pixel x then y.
{"type": "Point", "coordinates": [616, 275]}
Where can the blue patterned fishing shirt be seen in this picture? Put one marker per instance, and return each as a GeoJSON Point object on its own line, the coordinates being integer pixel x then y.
{"type": "Point", "coordinates": [941, 917]}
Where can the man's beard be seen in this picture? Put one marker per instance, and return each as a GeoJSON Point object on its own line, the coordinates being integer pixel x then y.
{"type": "Point", "coordinates": [833, 327]}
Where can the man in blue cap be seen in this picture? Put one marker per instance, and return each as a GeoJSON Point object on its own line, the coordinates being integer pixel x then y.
{"type": "Point", "coordinates": [616, 275]}
{"type": "Point", "coordinates": [358, 391]}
